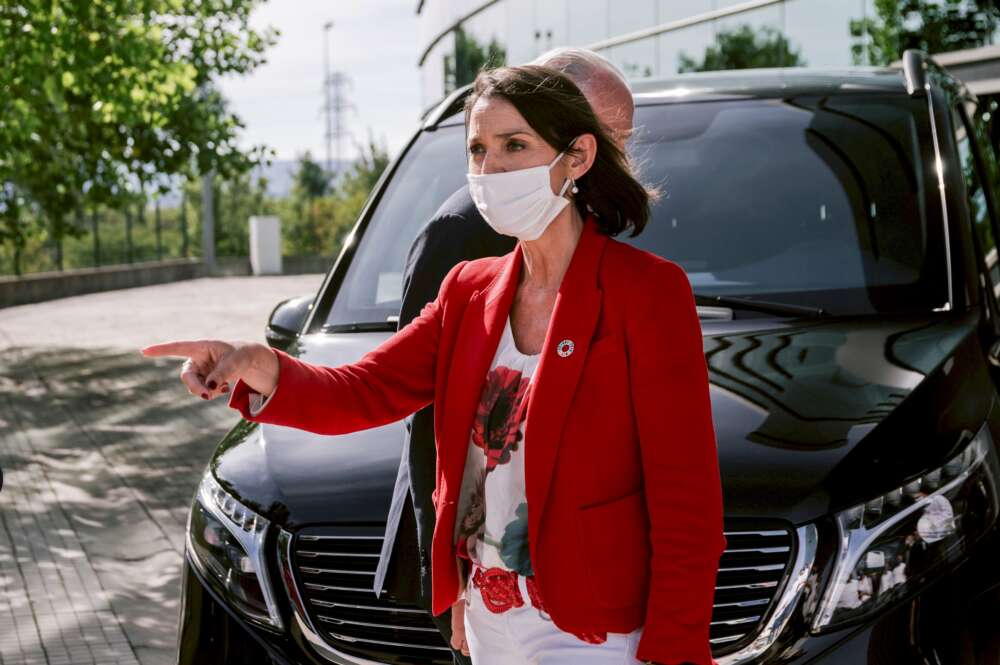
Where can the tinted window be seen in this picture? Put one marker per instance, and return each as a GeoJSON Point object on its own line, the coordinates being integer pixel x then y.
{"type": "Point", "coordinates": [979, 170]}
{"type": "Point", "coordinates": [811, 200]}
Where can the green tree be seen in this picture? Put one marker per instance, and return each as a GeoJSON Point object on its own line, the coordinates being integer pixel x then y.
{"type": "Point", "coordinates": [311, 183]}
{"type": "Point", "coordinates": [470, 56]}
{"type": "Point", "coordinates": [744, 48]}
{"type": "Point", "coordinates": [98, 98]}
{"type": "Point", "coordinates": [933, 26]}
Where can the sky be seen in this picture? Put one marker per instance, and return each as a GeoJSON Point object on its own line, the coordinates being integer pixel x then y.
{"type": "Point", "coordinates": [374, 42]}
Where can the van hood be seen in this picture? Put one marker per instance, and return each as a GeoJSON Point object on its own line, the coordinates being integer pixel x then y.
{"type": "Point", "coordinates": [811, 416]}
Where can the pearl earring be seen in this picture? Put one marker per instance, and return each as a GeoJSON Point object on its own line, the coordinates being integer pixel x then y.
{"type": "Point", "coordinates": [575, 188]}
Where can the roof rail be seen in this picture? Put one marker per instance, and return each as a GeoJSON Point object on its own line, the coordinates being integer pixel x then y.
{"type": "Point", "coordinates": [449, 105]}
{"type": "Point", "coordinates": [913, 71]}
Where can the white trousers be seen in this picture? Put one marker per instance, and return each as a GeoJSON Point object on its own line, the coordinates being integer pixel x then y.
{"type": "Point", "coordinates": [525, 634]}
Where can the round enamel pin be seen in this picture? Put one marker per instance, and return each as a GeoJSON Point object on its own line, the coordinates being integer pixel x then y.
{"type": "Point", "coordinates": [565, 348]}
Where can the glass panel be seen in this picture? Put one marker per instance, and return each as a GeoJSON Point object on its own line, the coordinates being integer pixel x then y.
{"type": "Point", "coordinates": [980, 200]}
{"type": "Point", "coordinates": [842, 220]}
{"type": "Point", "coordinates": [552, 21]}
{"type": "Point", "coordinates": [588, 22]}
{"type": "Point", "coordinates": [432, 170]}
{"type": "Point", "coordinates": [689, 42]}
{"type": "Point", "coordinates": [521, 23]}
{"type": "Point", "coordinates": [674, 10]}
{"type": "Point", "coordinates": [635, 59]}
{"type": "Point", "coordinates": [432, 72]}
{"type": "Point", "coordinates": [821, 30]}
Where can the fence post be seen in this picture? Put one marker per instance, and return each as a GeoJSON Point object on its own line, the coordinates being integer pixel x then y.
{"type": "Point", "coordinates": [95, 229]}
{"type": "Point", "coordinates": [184, 224]}
{"type": "Point", "coordinates": [208, 222]}
{"type": "Point", "coordinates": [159, 238]}
{"type": "Point", "coordinates": [128, 234]}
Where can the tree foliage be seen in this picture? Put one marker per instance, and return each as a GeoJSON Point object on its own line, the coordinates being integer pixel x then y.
{"type": "Point", "coordinates": [743, 48]}
{"type": "Point", "coordinates": [99, 97]}
{"type": "Point", "coordinates": [934, 26]}
{"type": "Point", "coordinates": [469, 57]}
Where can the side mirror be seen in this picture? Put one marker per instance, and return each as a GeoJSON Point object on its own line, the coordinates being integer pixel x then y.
{"type": "Point", "coordinates": [286, 320]}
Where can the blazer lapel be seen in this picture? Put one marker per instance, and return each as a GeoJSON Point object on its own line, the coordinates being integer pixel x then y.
{"type": "Point", "coordinates": [475, 345]}
{"type": "Point", "coordinates": [573, 319]}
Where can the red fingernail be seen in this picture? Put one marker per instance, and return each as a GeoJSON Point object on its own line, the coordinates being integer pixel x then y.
{"type": "Point", "coordinates": [225, 388]}
{"type": "Point", "coordinates": [211, 385]}
{"type": "Point", "coordinates": [204, 395]}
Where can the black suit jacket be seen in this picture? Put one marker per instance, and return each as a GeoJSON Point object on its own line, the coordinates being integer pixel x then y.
{"type": "Point", "coordinates": [457, 232]}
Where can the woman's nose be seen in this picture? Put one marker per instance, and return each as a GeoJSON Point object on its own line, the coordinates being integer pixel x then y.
{"type": "Point", "coordinates": [490, 165]}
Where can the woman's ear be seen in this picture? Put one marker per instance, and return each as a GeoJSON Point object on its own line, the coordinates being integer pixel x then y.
{"type": "Point", "coordinates": [583, 155]}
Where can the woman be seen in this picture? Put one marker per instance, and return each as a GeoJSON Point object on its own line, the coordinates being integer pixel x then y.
{"type": "Point", "coordinates": [578, 499]}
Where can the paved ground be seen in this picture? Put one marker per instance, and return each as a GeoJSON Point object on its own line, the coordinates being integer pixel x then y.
{"type": "Point", "coordinates": [101, 450]}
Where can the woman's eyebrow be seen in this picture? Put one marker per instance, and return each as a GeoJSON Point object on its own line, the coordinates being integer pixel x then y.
{"type": "Point", "coordinates": [502, 134]}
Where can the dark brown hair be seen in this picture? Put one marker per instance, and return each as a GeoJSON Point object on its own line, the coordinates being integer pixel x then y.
{"type": "Point", "coordinates": [556, 108]}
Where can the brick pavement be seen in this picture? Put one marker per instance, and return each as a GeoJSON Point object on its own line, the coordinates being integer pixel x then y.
{"type": "Point", "coordinates": [101, 450]}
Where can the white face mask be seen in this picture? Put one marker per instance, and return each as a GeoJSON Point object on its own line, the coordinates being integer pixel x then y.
{"type": "Point", "coordinates": [519, 203]}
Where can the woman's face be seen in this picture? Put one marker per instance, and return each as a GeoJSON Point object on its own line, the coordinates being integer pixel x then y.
{"type": "Point", "coordinates": [500, 139]}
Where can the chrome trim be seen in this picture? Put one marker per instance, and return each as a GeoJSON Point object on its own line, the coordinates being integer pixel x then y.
{"type": "Point", "coordinates": [327, 603]}
{"type": "Point", "coordinates": [745, 603]}
{"type": "Point", "coordinates": [680, 24]}
{"type": "Point", "coordinates": [769, 532]}
{"type": "Point", "coordinates": [312, 538]}
{"type": "Point", "coordinates": [252, 543]}
{"type": "Point", "coordinates": [387, 642]}
{"type": "Point", "coordinates": [762, 550]}
{"type": "Point", "coordinates": [752, 585]}
{"type": "Point", "coordinates": [734, 622]}
{"type": "Point", "coordinates": [939, 167]}
{"type": "Point", "coordinates": [770, 566]}
{"type": "Point", "coordinates": [312, 636]}
{"type": "Point", "coordinates": [797, 576]}
{"type": "Point", "coordinates": [332, 587]}
{"type": "Point", "coordinates": [455, 24]}
{"type": "Point", "coordinates": [723, 640]}
{"type": "Point", "coordinates": [375, 625]}
{"type": "Point", "coordinates": [308, 553]}
{"type": "Point", "coordinates": [320, 571]}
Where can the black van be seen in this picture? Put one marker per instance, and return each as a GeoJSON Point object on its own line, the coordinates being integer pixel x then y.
{"type": "Point", "coordinates": [839, 228]}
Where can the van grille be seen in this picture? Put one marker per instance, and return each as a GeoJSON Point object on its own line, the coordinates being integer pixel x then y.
{"type": "Point", "coordinates": [335, 569]}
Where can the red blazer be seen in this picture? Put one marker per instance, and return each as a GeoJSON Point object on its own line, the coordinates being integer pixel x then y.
{"type": "Point", "coordinates": [622, 477]}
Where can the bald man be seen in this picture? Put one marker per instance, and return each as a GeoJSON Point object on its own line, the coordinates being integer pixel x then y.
{"type": "Point", "coordinates": [457, 232]}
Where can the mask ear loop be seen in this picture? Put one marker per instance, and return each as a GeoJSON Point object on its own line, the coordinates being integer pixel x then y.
{"type": "Point", "coordinates": [571, 180]}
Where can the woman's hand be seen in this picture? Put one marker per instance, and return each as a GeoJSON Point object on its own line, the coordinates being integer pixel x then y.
{"type": "Point", "coordinates": [458, 627]}
{"type": "Point", "coordinates": [212, 366]}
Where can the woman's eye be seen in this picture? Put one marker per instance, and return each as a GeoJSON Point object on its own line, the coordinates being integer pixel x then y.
{"type": "Point", "coordinates": [475, 149]}
{"type": "Point", "coordinates": [515, 144]}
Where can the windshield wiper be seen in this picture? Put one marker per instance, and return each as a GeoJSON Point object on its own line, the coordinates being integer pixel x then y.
{"type": "Point", "coordinates": [766, 306]}
{"type": "Point", "coordinates": [361, 326]}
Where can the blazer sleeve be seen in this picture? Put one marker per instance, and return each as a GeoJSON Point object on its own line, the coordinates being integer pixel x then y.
{"type": "Point", "coordinates": [388, 383]}
{"type": "Point", "coordinates": [683, 488]}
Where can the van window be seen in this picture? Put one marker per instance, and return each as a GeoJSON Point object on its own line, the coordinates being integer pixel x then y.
{"type": "Point", "coordinates": [811, 200]}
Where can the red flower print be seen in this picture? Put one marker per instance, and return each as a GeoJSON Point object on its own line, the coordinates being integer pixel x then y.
{"type": "Point", "coordinates": [496, 428]}
{"type": "Point", "coordinates": [499, 589]}
{"type": "Point", "coordinates": [535, 595]}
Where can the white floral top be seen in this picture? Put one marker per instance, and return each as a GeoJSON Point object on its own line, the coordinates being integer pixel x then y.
{"type": "Point", "coordinates": [491, 527]}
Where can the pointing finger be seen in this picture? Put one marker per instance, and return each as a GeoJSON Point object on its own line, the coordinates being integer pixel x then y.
{"type": "Point", "coordinates": [182, 349]}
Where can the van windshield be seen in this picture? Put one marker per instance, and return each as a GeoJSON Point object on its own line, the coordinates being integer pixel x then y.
{"type": "Point", "coordinates": [820, 201]}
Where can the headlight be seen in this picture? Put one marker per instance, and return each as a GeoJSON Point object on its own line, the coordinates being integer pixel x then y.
{"type": "Point", "coordinates": [226, 541]}
{"type": "Point", "coordinates": [893, 543]}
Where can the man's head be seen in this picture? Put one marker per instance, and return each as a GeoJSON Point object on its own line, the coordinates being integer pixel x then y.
{"type": "Point", "coordinates": [602, 84]}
